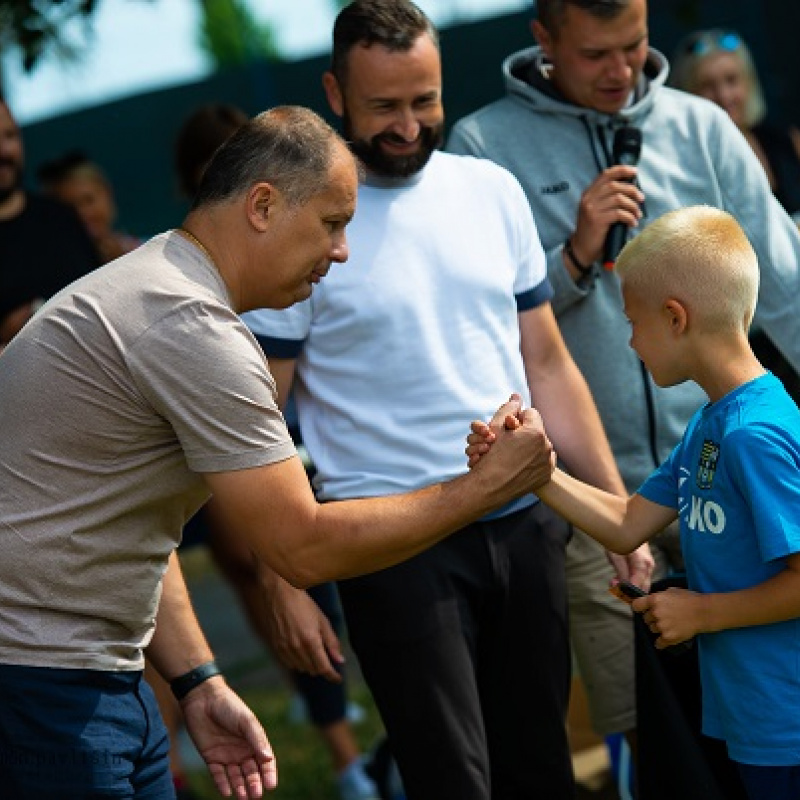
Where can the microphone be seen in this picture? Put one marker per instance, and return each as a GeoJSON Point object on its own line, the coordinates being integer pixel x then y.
{"type": "Point", "coordinates": [626, 150]}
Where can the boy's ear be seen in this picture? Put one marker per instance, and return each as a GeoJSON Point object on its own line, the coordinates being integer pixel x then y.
{"type": "Point", "coordinates": [677, 316]}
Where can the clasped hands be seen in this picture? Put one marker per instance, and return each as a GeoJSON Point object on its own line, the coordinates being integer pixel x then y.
{"type": "Point", "coordinates": [538, 459]}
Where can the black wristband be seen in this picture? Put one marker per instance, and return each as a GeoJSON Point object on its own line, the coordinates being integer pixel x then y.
{"type": "Point", "coordinates": [183, 684]}
{"type": "Point", "coordinates": [583, 269]}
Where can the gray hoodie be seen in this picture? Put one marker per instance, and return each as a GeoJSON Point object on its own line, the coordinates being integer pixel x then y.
{"type": "Point", "coordinates": [691, 154]}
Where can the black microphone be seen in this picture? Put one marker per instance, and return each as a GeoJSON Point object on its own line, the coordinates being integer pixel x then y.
{"type": "Point", "coordinates": [626, 150]}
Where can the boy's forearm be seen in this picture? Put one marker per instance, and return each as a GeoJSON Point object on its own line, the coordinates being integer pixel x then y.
{"type": "Point", "coordinates": [565, 402]}
{"type": "Point", "coordinates": [599, 513]}
{"type": "Point", "coordinates": [774, 600]}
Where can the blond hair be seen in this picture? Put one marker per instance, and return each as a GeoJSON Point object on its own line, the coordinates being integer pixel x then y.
{"type": "Point", "coordinates": [701, 257]}
{"type": "Point", "coordinates": [695, 48]}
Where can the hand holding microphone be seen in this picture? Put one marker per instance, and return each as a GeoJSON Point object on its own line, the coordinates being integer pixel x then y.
{"type": "Point", "coordinates": [626, 150]}
{"type": "Point", "coordinates": [608, 207]}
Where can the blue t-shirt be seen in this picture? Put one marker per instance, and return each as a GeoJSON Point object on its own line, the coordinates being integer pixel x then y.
{"type": "Point", "coordinates": [735, 480]}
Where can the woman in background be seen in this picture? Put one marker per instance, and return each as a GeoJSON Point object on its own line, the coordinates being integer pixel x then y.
{"type": "Point", "coordinates": [79, 182]}
{"type": "Point", "coordinates": [717, 64]}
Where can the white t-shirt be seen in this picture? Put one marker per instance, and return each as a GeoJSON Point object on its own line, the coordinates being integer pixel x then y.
{"type": "Point", "coordinates": [113, 399]}
{"type": "Point", "coordinates": [417, 334]}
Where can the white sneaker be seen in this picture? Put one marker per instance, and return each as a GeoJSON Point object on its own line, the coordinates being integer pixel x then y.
{"type": "Point", "coordinates": [355, 784]}
{"type": "Point", "coordinates": [356, 714]}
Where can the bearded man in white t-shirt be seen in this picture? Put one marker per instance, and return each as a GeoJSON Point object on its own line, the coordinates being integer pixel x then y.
{"type": "Point", "coordinates": [442, 310]}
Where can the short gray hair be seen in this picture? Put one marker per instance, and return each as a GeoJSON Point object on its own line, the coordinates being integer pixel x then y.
{"type": "Point", "coordinates": [290, 147]}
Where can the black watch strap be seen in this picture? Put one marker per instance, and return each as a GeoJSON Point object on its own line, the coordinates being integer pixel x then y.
{"type": "Point", "coordinates": [183, 684]}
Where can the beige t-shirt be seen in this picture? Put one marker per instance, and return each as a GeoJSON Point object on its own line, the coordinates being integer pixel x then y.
{"type": "Point", "coordinates": [114, 398]}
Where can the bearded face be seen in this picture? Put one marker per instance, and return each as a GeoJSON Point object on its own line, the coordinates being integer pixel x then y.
{"type": "Point", "coordinates": [377, 157]}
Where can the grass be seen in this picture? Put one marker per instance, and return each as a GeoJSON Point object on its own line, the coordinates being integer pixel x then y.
{"type": "Point", "coordinates": [304, 767]}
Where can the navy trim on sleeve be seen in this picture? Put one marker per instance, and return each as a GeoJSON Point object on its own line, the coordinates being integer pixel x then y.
{"type": "Point", "coordinates": [540, 294]}
{"type": "Point", "coordinates": [279, 348]}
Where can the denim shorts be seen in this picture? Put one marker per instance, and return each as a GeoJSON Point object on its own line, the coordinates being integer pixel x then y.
{"type": "Point", "coordinates": [81, 735]}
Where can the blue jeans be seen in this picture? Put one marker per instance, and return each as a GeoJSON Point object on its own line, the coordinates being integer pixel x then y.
{"type": "Point", "coordinates": [81, 735]}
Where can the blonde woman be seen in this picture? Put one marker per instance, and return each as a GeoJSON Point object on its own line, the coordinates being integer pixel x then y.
{"type": "Point", "coordinates": [717, 64]}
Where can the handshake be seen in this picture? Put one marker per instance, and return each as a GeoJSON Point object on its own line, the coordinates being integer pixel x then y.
{"type": "Point", "coordinates": [519, 446]}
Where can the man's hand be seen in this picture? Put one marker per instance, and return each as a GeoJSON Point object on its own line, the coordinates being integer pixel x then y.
{"type": "Point", "coordinates": [299, 632]}
{"type": "Point", "coordinates": [538, 459]}
{"type": "Point", "coordinates": [675, 614]}
{"type": "Point", "coordinates": [230, 739]}
{"type": "Point", "coordinates": [611, 198]}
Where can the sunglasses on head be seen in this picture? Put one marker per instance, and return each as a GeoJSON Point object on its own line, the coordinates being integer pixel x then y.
{"type": "Point", "coordinates": [706, 41]}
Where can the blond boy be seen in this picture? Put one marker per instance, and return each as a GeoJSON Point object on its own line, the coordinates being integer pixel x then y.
{"type": "Point", "coordinates": [689, 284]}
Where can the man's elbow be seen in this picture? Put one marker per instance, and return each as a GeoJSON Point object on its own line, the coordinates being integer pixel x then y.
{"type": "Point", "coordinates": [300, 570]}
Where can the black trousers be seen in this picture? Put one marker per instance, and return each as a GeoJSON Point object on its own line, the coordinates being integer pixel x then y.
{"type": "Point", "coordinates": [466, 651]}
{"type": "Point", "coordinates": [675, 759]}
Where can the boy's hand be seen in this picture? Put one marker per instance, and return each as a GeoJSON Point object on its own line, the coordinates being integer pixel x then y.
{"type": "Point", "coordinates": [675, 614]}
{"type": "Point", "coordinates": [478, 442]}
{"type": "Point", "coordinates": [637, 567]}
{"type": "Point", "coordinates": [483, 436]}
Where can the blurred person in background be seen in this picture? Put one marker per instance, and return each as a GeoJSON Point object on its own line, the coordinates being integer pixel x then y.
{"type": "Point", "coordinates": [199, 136]}
{"type": "Point", "coordinates": [717, 64]}
{"type": "Point", "coordinates": [43, 245]}
{"type": "Point", "coordinates": [79, 182]}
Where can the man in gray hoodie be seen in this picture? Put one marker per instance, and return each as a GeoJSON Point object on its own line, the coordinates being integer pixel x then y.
{"type": "Point", "coordinates": [592, 73]}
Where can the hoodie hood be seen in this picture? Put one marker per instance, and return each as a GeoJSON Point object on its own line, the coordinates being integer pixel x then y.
{"type": "Point", "coordinates": [525, 74]}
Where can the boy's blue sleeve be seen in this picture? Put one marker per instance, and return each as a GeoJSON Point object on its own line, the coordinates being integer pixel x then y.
{"type": "Point", "coordinates": [664, 483]}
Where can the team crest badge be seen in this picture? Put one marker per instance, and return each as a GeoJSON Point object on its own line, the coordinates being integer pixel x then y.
{"type": "Point", "coordinates": [709, 456]}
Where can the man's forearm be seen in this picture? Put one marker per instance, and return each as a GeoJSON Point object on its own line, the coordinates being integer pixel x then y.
{"type": "Point", "coordinates": [273, 510]}
{"type": "Point", "coordinates": [178, 644]}
{"type": "Point", "coordinates": [360, 536]}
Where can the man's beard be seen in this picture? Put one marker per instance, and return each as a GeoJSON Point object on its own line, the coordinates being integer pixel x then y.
{"type": "Point", "coordinates": [381, 163]}
{"type": "Point", "coordinates": [14, 184]}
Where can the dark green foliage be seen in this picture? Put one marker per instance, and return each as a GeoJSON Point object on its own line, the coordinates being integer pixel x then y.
{"type": "Point", "coordinates": [232, 36]}
{"type": "Point", "coordinates": [35, 25]}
